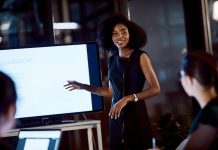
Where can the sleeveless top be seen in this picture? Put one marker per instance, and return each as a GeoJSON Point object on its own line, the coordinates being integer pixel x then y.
{"type": "Point", "coordinates": [209, 116]}
{"type": "Point", "coordinates": [126, 78]}
{"type": "Point", "coordinates": [125, 75]}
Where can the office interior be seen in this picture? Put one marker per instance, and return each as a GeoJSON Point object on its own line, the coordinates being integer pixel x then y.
{"type": "Point", "coordinates": [173, 27]}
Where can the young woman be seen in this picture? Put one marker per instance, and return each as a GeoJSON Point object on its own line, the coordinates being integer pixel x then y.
{"type": "Point", "coordinates": [128, 69]}
{"type": "Point", "coordinates": [199, 79]}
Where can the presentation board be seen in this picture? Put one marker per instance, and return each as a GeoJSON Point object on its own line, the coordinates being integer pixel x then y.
{"type": "Point", "coordinates": [40, 74]}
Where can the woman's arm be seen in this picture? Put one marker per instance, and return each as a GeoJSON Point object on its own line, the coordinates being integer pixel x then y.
{"type": "Point", "coordinates": [102, 91]}
{"type": "Point", "coordinates": [150, 76]}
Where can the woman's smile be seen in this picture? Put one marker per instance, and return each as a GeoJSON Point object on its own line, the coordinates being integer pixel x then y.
{"type": "Point", "coordinates": [120, 36]}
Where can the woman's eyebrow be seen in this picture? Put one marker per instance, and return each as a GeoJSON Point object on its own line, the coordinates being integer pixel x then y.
{"type": "Point", "coordinates": [123, 29]}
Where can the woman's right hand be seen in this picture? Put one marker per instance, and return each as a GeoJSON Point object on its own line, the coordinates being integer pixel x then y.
{"type": "Point", "coordinates": [72, 85]}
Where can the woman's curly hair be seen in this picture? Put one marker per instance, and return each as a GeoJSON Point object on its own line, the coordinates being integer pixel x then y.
{"type": "Point", "coordinates": [138, 37]}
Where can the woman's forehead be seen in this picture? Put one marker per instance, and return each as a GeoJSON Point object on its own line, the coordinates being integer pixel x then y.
{"type": "Point", "coordinates": [120, 26]}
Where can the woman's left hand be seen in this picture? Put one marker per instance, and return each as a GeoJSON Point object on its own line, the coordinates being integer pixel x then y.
{"type": "Point", "coordinates": [117, 107]}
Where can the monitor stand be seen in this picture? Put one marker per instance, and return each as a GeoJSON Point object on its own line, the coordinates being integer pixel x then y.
{"type": "Point", "coordinates": [43, 122]}
{"type": "Point", "coordinates": [47, 121]}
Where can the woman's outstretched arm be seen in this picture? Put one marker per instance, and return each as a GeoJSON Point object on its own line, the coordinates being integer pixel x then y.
{"type": "Point", "coordinates": [102, 91]}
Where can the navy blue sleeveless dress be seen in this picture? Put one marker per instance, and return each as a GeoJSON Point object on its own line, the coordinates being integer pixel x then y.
{"type": "Point", "coordinates": [132, 130]}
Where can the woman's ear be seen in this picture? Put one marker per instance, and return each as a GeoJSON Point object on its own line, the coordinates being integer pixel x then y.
{"type": "Point", "coordinates": [11, 112]}
{"type": "Point", "coordinates": [188, 80]}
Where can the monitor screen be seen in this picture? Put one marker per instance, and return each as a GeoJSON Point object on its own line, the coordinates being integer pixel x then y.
{"type": "Point", "coordinates": [38, 140]}
{"type": "Point", "coordinates": [40, 74]}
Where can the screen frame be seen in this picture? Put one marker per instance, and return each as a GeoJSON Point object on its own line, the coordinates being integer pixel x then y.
{"type": "Point", "coordinates": [95, 79]}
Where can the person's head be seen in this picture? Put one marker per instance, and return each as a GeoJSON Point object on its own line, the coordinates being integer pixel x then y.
{"type": "Point", "coordinates": [125, 30]}
{"type": "Point", "coordinates": [8, 99]}
{"type": "Point", "coordinates": [203, 67]}
{"type": "Point", "coordinates": [1, 39]}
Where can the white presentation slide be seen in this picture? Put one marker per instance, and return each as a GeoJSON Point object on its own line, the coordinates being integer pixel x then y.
{"type": "Point", "coordinates": [36, 144]}
{"type": "Point", "coordinates": [40, 75]}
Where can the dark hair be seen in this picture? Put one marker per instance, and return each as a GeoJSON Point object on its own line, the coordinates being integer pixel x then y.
{"type": "Point", "coordinates": [8, 94]}
{"type": "Point", "coordinates": [202, 66]}
{"type": "Point", "coordinates": [138, 37]}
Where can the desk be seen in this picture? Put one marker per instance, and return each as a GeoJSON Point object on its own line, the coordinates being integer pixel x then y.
{"type": "Point", "coordinates": [87, 124]}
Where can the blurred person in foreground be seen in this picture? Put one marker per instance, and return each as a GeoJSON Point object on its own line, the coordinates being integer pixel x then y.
{"type": "Point", "coordinates": [199, 78]}
{"type": "Point", "coordinates": [8, 99]}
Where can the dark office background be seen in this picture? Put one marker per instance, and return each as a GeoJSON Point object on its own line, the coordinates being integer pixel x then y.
{"type": "Point", "coordinates": [173, 27]}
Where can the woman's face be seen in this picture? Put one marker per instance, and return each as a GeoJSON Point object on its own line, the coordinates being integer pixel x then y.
{"type": "Point", "coordinates": [120, 36]}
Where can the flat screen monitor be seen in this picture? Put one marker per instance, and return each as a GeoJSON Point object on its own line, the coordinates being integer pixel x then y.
{"type": "Point", "coordinates": [40, 74]}
{"type": "Point", "coordinates": [39, 140]}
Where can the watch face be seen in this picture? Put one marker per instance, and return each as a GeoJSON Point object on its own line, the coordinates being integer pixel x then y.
{"type": "Point", "coordinates": [135, 98]}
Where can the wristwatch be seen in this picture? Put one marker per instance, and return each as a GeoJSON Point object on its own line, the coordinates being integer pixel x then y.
{"type": "Point", "coordinates": [135, 98]}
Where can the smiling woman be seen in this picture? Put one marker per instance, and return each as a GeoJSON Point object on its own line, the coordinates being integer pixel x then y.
{"type": "Point", "coordinates": [120, 36]}
{"type": "Point", "coordinates": [128, 69]}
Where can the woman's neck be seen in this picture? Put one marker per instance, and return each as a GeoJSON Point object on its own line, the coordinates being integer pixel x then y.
{"type": "Point", "coordinates": [205, 96]}
{"type": "Point", "coordinates": [125, 52]}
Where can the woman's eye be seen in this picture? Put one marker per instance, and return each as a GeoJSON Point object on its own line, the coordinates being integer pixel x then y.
{"type": "Point", "coordinates": [124, 32]}
{"type": "Point", "coordinates": [114, 33]}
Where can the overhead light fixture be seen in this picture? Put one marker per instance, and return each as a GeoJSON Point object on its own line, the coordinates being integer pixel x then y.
{"type": "Point", "coordinates": [215, 10]}
{"type": "Point", "coordinates": [66, 25]}
{"type": "Point", "coordinates": [5, 26]}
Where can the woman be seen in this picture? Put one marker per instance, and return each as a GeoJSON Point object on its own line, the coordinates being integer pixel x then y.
{"type": "Point", "coordinates": [128, 69]}
{"type": "Point", "coordinates": [8, 97]}
{"type": "Point", "coordinates": [199, 79]}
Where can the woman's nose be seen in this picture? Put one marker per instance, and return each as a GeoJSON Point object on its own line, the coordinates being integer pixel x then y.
{"type": "Point", "coordinates": [119, 36]}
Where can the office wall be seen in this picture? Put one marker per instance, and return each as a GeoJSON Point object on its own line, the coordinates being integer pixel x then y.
{"type": "Point", "coordinates": [171, 27]}
{"type": "Point", "coordinates": [164, 22]}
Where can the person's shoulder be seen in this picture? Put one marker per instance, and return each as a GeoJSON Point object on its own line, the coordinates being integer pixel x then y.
{"type": "Point", "coordinates": [139, 55]}
{"type": "Point", "coordinates": [213, 104]}
{"type": "Point", "coordinates": [139, 52]}
{"type": "Point", "coordinates": [210, 113]}
{"type": "Point", "coordinates": [142, 54]}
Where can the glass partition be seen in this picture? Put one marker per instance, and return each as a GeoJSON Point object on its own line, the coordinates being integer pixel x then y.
{"type": "Point", "coordinates": [25, 23]}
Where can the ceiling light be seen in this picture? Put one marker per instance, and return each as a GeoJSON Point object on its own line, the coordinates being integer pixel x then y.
{"type": "Point", "coordinates": [215, 10]}
{"type": "Point", "coordinates": [5, 26]}
{"type": "Point", "coordinates": [66, 25]}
